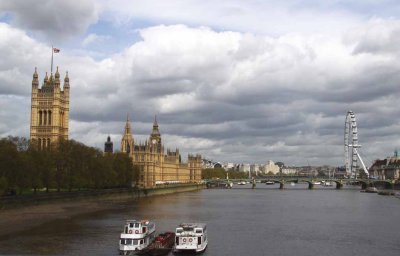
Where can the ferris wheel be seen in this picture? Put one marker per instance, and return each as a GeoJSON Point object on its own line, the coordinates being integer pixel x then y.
{"type": "Point", "coordinates": [351, 146]}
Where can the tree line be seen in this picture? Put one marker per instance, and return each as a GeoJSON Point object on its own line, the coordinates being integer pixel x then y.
{"type": "Point", "coordinates": [69, 165]}
{"type": "Point", "coordinates": [220, 173]}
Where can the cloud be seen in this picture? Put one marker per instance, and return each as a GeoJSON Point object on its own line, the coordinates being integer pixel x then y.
{"type": "Point", "coordinates": [378, 36]}
{"type": "Point", "coordinates": [230, 96]}
{"type": "Point", "coordinates": [95, 39]}
{"type": "Point", "coordinates": [271, 18]}
{"type": "Point", "coordinates": [54, 20]}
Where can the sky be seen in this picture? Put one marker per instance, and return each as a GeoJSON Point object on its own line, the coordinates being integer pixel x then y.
{"type": "Point", "coordinates": [235, 81]}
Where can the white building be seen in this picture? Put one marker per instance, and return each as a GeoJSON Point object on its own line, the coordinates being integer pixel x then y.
{"type": "Point", "coordinates": [289, 170]}
{"type": "Point", "coordinates": [244, 167]}
{"type": "Point", "coordinates": [270, 166]}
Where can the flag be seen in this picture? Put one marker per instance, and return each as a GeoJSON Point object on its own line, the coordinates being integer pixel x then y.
{"type": "Point", "coordinates": [56, 50]}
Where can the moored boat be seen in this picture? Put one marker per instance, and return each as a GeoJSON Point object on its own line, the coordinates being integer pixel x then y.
{"type": "Point", "coordinates": [269, 182]}
{"type": "Point", "coordinates": [137, 235]}
{"type": "Point", "coordinates": [191, 237]}
{"type": "Point", "coordinates": [161, 245]}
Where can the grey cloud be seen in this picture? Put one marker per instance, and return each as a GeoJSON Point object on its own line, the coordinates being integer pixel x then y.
{"type": "Point", "coordinates": [212, 99]}
{"type": "Point", "coordinates": [55, 20]}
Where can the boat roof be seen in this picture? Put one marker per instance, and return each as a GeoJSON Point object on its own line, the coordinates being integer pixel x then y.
{"type": "Point", "coordinates": [192, 225]}
{"type": "Point", "coordinates": [144, 222]}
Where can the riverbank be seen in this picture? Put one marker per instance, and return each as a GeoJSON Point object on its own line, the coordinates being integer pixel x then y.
{"type": "Point", "coordinates": [22, 215]}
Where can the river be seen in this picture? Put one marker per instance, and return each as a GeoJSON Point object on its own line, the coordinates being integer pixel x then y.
{"type": "Point", "coordinates": [241, 221]}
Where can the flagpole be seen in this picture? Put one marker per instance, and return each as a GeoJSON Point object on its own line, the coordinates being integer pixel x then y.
{"type": "Point", "coordinates": [52, 50]}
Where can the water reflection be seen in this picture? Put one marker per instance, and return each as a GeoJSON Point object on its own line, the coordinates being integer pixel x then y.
{"type": "Point", "coordinates": [241, 221]}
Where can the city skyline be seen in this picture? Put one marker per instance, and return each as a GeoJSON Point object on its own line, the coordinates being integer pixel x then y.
{"type": "Point", "coordinates": [232, 81]}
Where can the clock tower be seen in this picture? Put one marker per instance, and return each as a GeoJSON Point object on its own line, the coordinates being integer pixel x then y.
{"type": "Point", "coordinates": [155, 136]}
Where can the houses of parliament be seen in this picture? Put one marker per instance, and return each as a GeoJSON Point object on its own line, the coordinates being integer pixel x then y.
{"type": "Point", "coordinates": [49, 123]}
{"type": "Point", "coordinates": [156, 167]}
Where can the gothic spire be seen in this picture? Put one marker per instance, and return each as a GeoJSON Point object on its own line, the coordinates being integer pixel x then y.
{"type": "Point", "coordinates": [155, 127]}
{"type": "Point", "coordinates": [127, 125]}
{"type": "Point", "coordinates": [35, 80]}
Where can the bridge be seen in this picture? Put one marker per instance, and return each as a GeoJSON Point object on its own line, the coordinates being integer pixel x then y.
{"type": "Point", "coordinates": [365, 183]}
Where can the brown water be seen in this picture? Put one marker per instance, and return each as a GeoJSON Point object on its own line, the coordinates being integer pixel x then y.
{"type": "Point", "coordinates": [242, 221]}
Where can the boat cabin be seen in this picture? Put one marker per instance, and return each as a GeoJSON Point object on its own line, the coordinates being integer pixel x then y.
{"type": "Point", "coordinates": [136, 235]}
{"type": "Point", "coordinates": [138, 227]}
{"type": "Point", "coordinates": [191, 236]}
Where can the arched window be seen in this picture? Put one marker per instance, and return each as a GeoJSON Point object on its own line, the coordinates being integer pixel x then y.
{"type": "Point", "coordinates": [48, 143]}
{"type": "Point", "coordinates": [40, 117]}
{"type": "Point", "coordinates": [49, 117]}
{"type": "Point", "coordinates": [40, 143]}
{"type": "Point", "coordinates": [45, 117]}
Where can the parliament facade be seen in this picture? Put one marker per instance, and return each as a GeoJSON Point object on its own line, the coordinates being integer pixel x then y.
{"type": "Point", "coordinates": [155, 166]}
{"type": "Point", "coordinates": [49, 110]}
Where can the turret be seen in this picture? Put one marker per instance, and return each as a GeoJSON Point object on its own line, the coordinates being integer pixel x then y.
{"type": "Point", "coordinates": [57, 79]}
{"type": "Point", "coordinates": [66, 84]}
{"type": "Point", "coordinates": [46, 80]}
{"type": "Point", "coordinates": [35, 80]}
{"type": "Point", "coordinates": [127, 141]}
{"type": "Point", "coordinates": [51, 80]}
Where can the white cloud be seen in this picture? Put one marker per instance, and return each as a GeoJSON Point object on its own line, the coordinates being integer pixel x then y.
{"type": "Point", "coordinates": [94, 39]}
{"type": "Point", "coordinates": [228, 95]}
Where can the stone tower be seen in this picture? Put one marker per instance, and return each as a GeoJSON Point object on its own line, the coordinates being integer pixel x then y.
{"type": "Point", "coordinates": [127, 141]}
{"type": "Point", "coordinates": [108, 146]}
{"type": "Point", "coordinates": [49, 110]}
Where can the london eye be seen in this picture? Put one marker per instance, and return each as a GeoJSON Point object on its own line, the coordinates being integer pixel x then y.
{"type": "Point", "coordinates": [351, 147]}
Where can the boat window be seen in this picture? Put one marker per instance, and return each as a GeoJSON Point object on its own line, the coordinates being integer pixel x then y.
{"type": "Point", "coordinates": [141, 241]}
{"type": "Point", "coordinates": [179, 230]}
{"type": "Point", "coordinates": [188, 229]}
{"type": "Point", "coordinates": [199, 240]}
{"type": "Point", "coordinates": [199, 231]}
{"type": "Point", "coordinates": [126, 241]}
{"type": "Point", "coordinates": [137, 225]}
{"type": "Point", "coordinates": [135, 242]}
{"type": "Point", "coordinates": [131, 225]}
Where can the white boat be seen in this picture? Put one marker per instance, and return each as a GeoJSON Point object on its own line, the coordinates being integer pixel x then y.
{"type": "Point", "coordinates": [327, 184]}
{"type": "Point", "coordinates": [242, 183]}
{"type": "Point", "coordinates": [137, 235]}
{"type": "Point", "coordinates": [191, 237]}
{"type": "Point", "coordinates": [269, 182]}
{"type": "Point", "coordinates": [316, 183]}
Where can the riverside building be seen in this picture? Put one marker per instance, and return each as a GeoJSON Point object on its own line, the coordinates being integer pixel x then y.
{"type": "Point", "coordinates": [155, 166]}
{"type": "Point", "coordinates": [49, 110]}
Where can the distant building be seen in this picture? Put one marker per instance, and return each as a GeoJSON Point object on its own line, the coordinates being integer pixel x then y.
{"type": "Point", "coordinates": [108, 146]}
{"type": "Point", "coordinates": [289, 170]}
{"type": "Point", "coordinates": [156, 166]}
{"type": "Point", "coordinates": [228, 166]}
{"type": "Point", "coordinates": [49, 110]}
{"type": "Point", "coordinates": [271, 167]}
{"type": "Point", "coordinates": [388, 168]}
{"type": "Point", "coordinates": [244, 167]}
{"type": "Point", "coordinates": [218, 165]}
{"type": "Point", "coordinates": [255, 168]}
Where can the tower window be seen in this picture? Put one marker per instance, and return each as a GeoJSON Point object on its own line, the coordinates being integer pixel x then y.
{"type": "Point", "coordinates": [40, 117]}
{"type": "Point", "coordinates": [44, 117]}
{"type": "Point", "coordinates": [49, 117]}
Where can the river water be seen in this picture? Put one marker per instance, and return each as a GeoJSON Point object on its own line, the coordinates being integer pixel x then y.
{"type": "Point", "coordinates": [241, 221]}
